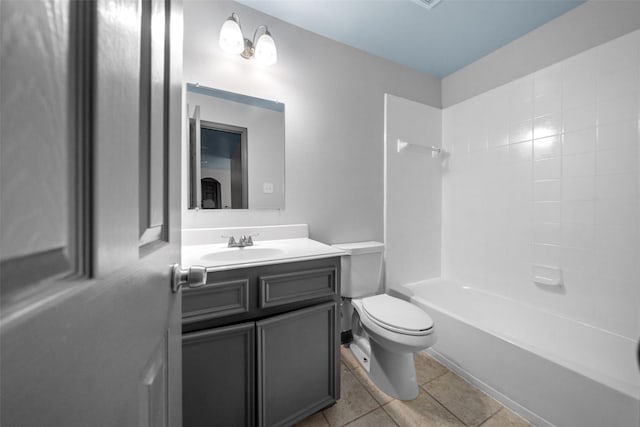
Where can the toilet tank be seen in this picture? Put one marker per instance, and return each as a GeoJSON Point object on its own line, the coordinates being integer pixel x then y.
{"type": "Point", "coordinates": [361, 268]}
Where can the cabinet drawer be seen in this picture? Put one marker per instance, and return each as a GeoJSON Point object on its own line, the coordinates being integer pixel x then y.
{"type": "Point", "coordinates": [215, 299]}
{"type": "Point", "coordinates": [297, 286]}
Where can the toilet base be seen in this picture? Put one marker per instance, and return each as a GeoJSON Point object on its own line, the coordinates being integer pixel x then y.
{"type": "Point", "coordinates": [362, 351]}
{"type": "Point", "coordinates": [393, 373]}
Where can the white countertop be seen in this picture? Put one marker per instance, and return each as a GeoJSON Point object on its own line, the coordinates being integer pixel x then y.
{"type": "Point", "coordinates": [218, 257]}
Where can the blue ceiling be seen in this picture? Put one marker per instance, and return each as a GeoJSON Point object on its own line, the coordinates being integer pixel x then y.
{"type": "Point", "coordinates": [438, 41]}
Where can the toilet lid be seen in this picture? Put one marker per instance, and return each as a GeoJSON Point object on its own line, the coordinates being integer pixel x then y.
{"type": "Point", "coordinates": [397, 315]}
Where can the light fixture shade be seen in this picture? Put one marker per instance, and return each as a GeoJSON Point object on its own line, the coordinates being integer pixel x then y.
{"type": "Point", "coordinates": [231, 38]}
{"type": "Point", "coordinates": [266, 53]}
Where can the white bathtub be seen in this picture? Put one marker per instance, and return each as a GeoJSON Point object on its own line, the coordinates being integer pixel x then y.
{"type": "Point", "coordinates": [551, 369]}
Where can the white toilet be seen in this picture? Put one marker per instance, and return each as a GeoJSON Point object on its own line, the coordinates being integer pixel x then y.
{"type": "Point", "coordinates": [386, 330]}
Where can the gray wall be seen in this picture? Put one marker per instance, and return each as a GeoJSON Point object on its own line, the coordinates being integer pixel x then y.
{"type": "Point", "coordinates": [588, 25]}
{"type": "Point", "coordinates": [334, 123]}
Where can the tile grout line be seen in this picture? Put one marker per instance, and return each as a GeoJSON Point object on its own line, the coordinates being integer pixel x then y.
{"type": "Point", "coordinates": [443, 405]}
{"type": "Point", "coordinates": [325, 417]}
{"type": "Point", "coordinates": [380, 405]}
{"type": "Point", "coordinates": [500, 408]}
{"type": "Point", "coordinates": [491, 416]}
{"type": "Point", "coordinates": [451, 412]}
{"type": "Point", "coordinates": [364, 415]}
{"type": "Point", "coordinates": [365, 389]}
{"type": "Point", "coordinates": [434, 398]}
{"type": "Point", "coordinates": [388, 414]}
{"type": "Point", "coordinates": [435, 378]}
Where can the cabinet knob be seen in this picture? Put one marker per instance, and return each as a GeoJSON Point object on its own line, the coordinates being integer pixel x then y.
{"type": "Point", "coordinates": [192, 277]}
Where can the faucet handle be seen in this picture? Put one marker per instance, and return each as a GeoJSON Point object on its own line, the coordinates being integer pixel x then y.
{"type": "Point", "coordinates": [232, 240]}
{"type": "Point", "coordinates": [250, 238]}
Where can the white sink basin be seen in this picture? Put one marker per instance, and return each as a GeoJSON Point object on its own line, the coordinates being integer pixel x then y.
{"type": "Point", "coordinates": [220, 257]}
{"type": "Point", "coordinates": [241, 255]}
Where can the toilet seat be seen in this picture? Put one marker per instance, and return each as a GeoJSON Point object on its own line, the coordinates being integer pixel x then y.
{"type": "Point", "coordinates": [396, 315]}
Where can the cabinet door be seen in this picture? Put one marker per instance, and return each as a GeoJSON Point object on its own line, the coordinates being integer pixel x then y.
{"type": "Point", "coordinates": [297, 355]}
{"type": "Point", "coordinates": [218, 376]}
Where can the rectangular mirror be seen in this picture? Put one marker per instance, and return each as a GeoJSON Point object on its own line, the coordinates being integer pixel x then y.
{"type": "Point", "coordinates": [236, 150]}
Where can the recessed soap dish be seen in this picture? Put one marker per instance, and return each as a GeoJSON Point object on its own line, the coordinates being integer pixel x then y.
{"type": "Point", "coordinates": [546, 275]}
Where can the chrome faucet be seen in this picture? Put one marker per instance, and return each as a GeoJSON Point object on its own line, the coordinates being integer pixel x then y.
{"type": "Point", "coordinates": [242, 242]}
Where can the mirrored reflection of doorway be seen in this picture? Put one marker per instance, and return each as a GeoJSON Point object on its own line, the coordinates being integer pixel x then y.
{"type": "Point", "coordinates": [210, 193]}
{"type": "Point", "coordinates": [223, 161]}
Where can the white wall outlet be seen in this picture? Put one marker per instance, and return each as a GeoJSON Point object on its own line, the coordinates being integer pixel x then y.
{"type": "Point", "coordinates": [267, 187]}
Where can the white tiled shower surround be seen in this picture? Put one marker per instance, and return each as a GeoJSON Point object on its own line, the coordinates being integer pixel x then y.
{"type": "Point", "coordinates": [544, 171]}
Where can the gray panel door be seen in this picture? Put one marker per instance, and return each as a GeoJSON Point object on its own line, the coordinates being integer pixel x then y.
{"type": "Point", "coordinates": [218, 376]}
{"type": "Point", "coordinates": [90, 330]}
{"type": "Point", "coordinates": [296, 360]}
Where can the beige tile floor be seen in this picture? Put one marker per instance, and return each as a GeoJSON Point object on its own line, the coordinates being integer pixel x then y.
{"type": "Point", "coordinates": [445, 399]}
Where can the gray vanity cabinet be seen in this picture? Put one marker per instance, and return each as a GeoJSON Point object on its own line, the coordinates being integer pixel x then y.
{"type": "Point", "coordinates": [260, 345]}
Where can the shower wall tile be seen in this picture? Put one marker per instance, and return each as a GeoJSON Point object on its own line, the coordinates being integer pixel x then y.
{"type": "Point", "coordinates": [618, 161]}
{"type": "Point", "coordinates": [497, 136]}
{"type": "Point", "coordinates": [619, 135]}
{"type": "Point", "coordinates": [521, 151]}
{"type": "Point", "coordinates": [578, 260]}
{"type": "Point", "coordinates": [578, 142]}
{"type": "Point", "coordinates": [521, 130]}
{"type": "Point", "coordinates": [579, 91]}
{"type": "Point", "coordinates": [578, 187]}
{"type": "Point", "coordinates": [547, 211]}
{"type": "Point", "coordinates": [547, 233]}
{"type": "Point", "coordinates": [549, 255]}
{"type": "Point", "coordinates": [581, 117]}
{"type": "Point", "coordinates": [548, 125]}
{"type": "Point", "coordinates": [545, 170]}
{"type": "Point", "coordinates": [617, 186]}
{"type": "Point", "coordinates": [616, 84]}
{"type": "Point", "coordinates": [578, 235]}
{"type": "Point", "coordinates": [545, 148]}
{"type": "Point", "coordinates": [621, 108]}
{"type": "Point", "coordinates": [583, 164]}
{"type": "Point", "coordinates": [616, 211]}
{"type": "Point", "coordinates": [548, 104]}
{"type": "Point", "coordinates": [547, 190]}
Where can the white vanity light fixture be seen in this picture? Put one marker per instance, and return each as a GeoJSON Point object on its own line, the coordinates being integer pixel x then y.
{"type": "Point", "coordinates": [233, 41]}
{"type": "Point", "coordinates": [231, 38]}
